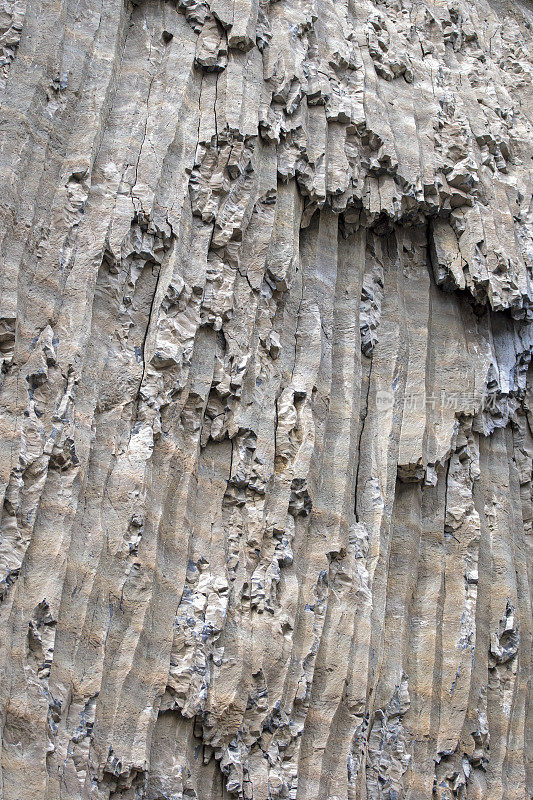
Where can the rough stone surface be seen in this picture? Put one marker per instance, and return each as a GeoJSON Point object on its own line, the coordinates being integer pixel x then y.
{"type": "Point", "coordinates": [266, 408]}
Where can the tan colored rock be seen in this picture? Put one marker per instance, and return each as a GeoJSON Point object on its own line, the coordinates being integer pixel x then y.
{"type": "Point", "coordinates": [265, 400]}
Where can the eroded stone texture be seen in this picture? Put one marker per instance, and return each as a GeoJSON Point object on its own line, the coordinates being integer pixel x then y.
{"type": "Point", "coordinates": [266, 414]}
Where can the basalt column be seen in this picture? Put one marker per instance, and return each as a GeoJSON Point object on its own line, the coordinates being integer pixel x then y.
{"type": "Point", "coordinates": [266, 404]}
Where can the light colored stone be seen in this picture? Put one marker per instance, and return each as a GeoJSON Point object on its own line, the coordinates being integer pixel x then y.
{"type": "Point", "coordinates": [266, 313]}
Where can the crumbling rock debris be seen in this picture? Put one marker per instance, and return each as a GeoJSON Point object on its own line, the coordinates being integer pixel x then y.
{"type": "Point", "coordinates": [266, 314]}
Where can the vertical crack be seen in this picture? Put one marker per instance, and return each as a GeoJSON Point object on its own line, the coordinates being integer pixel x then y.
{"type": "Point", "coordinates": [143, 140]}
{"type": "Point", "coordinates": [143, 346]}
{"type": "Point", "coordinates": [363, 420]}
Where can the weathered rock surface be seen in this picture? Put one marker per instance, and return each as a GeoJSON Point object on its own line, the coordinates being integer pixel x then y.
{"type": "Point", "coordinates": [266, 407]}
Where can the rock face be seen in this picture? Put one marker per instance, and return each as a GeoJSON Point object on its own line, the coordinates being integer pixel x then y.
{"type": "Point", "coordinates": [266, 416]}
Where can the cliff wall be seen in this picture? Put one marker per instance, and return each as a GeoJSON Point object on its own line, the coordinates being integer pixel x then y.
{"type": "Point", "coordinates": [265, 408]}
